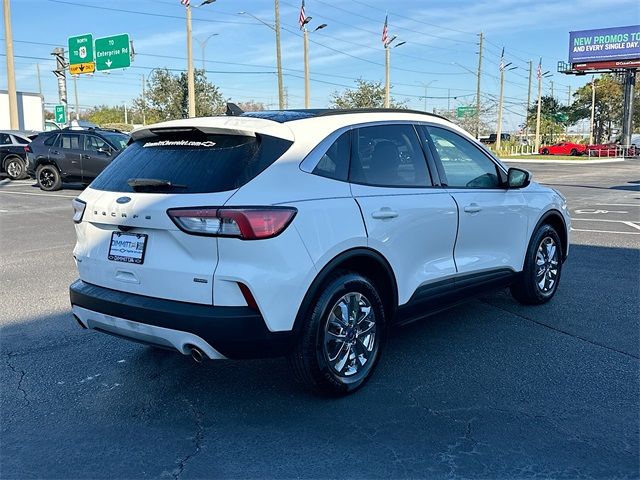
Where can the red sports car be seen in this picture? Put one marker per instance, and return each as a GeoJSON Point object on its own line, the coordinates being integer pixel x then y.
{"type": "Point", "coordinates": [609, 150]}
{"type": "Point", "coordinates": [563, 148]}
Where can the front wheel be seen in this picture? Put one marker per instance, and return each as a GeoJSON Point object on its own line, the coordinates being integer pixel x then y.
{"type": "Point", "coordinates": [538, 281]}
{"type": "Point", "coordinates": [16, 168]}
{"type": "Point", "coordinates": [342, 336]}
{"type": "Point", "coordinates": [574, 152]}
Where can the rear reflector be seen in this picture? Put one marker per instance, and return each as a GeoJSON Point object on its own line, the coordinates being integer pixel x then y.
{"type": "Point", "coordinates": [248, 296]}
{"type": "Point", "coordinates": [78, 209]}
{"type": "Point", "coordinates": [251, 223]}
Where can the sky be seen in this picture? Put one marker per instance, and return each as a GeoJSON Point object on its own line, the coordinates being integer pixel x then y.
{"type": "Point", "coordinates": [440, 56]}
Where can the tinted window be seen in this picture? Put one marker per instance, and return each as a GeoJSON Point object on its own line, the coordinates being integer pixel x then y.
{"type": "Point", "coordinates": [20, 140]}
{"type": "Point", "coordinates": [335, 163]}
{"type": "Point", "coordinates": [93, 143]}
{"type": "Point", "coordinates": [388, 156]}
{"type": "Point", "coordinates": [51, 140]}
{"type": "Point", "coordinates": [5, 139]}
{"type": "Point", "coordinates": [119, 140]}
{"type": "Point", "coordinates": [70, 141]}
{"type": "Point", "coordinates": [465, 165]}
{"type": "Point", "coordinates": [195, 163]}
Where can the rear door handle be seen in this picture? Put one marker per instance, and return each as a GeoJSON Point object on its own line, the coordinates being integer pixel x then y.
{"type": "Point", "coordinates": [472, 208]}
{"type": "Point", "coordinates": [87, 157]}
{"type": "Point", "coordinates": [55, 152]}
{"type": "Point", "coordinates": [384, 213]}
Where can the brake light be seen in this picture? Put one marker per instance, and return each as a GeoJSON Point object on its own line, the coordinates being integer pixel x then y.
{"type": "Point", "coordinates": [27, 149]}
{"type": "Point", "coordinates": [250, 223]}
{"type": "Point", "coordinates": [78, 209]}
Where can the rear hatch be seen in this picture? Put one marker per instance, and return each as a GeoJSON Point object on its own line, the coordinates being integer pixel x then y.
{"type": "Point", "coordinates": [126, 240]}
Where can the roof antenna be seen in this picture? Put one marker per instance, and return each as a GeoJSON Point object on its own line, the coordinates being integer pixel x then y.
{"type": "Point", "coordinates": [233, 110]}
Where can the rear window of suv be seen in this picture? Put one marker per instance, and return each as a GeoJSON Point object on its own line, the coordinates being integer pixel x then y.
{"type": "Point", "coordinates": [194, 163]}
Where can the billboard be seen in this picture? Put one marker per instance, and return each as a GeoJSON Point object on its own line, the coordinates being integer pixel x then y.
{"type": "Point", "coordinates": [605, 44]}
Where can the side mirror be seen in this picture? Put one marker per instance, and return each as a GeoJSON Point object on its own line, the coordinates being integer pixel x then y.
{"type": "Point", "coordinates": [105, 150]}
{"type": "Point", "coordinates": [518, 178]}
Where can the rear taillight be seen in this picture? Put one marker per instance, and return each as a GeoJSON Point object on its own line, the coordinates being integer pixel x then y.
{"type": "Point", "coordinates": [250, 223]}
{"type": "Point", "coordinates": [78, 209]}
{"type": "Point", "coordinates": [27, 149]}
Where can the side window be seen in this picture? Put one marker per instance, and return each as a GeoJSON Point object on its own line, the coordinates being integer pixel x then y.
{"type": "Point", "coordinates": [465, 165]}
{"type": "Point", "coordinates": [93, 143]}
{"type": "Point", "coordinates": [19, 140]}
{"type": "Point", "coordinates": [51, 140]}
{"type": "Point", "coordinates": [388, 156]}
{"type": "Point", "coordinates": [335, 163]}
{"type": "Point", "coordinates": [70, 141]}
{"type": "Point", "coordinates": [5, 139]}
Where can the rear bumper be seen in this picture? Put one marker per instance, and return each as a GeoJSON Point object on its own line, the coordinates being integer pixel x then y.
{"type": "Point", "coordinates": [231, 332]}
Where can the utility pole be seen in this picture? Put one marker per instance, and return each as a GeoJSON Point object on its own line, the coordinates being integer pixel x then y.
{"type": "Point", "coordinates": [191, 88]}
{"type": "Point", "coordinates": [552, 95]}
{"type": "Point", "coordinates": [11, 74]}
{"type": "Point", "coordinates": [39, 80]}
{"type": "Point", "coordinates": [627, 116]}
{"type": "Point", "coordinates": [593, 108]}
{"type": "Point", "coordinates": [75, 92]}
{"type": "Point", "coordinates": [279, 55]}
{"type": "Point", "coordinates": [126, 116]}
{"type": "Point", "coordinates": [61, 74]}
{"type": "Point", "coordinates": [526, 117]}
{"type": "Point", "coordinates": [307, 94]}
{"type": "Point", "coordinates": [537, 145]}
{"type": "Point", "coordinates": [387, 79]}
{"type": "Point", "coordinates": [500, 106]}
{"type": "Point", "coordinates": [144, 102]}
{"type": "Point", "coordinates": [478, 87]}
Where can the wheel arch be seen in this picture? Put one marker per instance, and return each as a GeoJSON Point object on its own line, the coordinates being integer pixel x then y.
{"type": "Point", "coordinates": [11, 156]}
{"type": "Point", "coordinates": [363, 260]}
{"type": "Point", "coordinates": [556, 220]}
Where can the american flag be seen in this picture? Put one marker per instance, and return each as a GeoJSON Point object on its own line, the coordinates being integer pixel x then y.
{"type": "Point", "coordinates": [502, 60]}
{"type": "Point", "coordinates": [385, 31]}
{"type": "Point", "coordinates": [540, 69]}
{"type": "Point", "coordinates": [185, 2]}
{"type": "Point", "coordinates": [302, 19]}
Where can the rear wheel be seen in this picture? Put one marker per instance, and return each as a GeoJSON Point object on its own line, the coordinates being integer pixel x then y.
{"type": "Point", "coordinates": [545, 151]}
{"type": "Point", "coordinates": [342, 336]}
{"type": "Point", "coordinates": [16, 168]}
{"type": "Point", "coordinates": [48, 178]}
{"type": "Point", "coordinates": [539, 279]}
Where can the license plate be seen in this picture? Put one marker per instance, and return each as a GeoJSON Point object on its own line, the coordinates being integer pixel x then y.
{"type": "Point", "coordinates": [128, 247]}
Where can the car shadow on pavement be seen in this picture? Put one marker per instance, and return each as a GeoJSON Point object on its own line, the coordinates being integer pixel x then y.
{"type": "Point", "coordinates": [487, 389]}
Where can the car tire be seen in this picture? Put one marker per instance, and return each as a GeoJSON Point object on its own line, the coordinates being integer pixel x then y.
{"type": "Point", "coordinates": [48, 178]}
{"type": "Point", "coordinates": [16, 168]}
{"type": "Point", "coordinates": [330, 357]}
{"type": "Point", "coordinates": [545, 151]}
{"type": "Point", "coordinates": [574, 152]}
{"type": "Point", "coordinates": [539, 279]}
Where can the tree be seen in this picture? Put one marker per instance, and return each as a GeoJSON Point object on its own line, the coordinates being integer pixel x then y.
{"type": "Point", "coordinates": [252, 106]}
{"type": "Point", "coordinates": [167, 96]}
{"type": "Point", "coordinates": [103, 114]}
{"type": "Point", "coordinates": [365, 95]}
{"type": "Point", "coordinates": [554, 118]}
{"type": "Point", "coordinates": [608, 106]}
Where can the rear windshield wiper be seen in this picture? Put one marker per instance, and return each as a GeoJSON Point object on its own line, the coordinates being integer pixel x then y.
{"type": "Point", "coordinates": [150, 183]}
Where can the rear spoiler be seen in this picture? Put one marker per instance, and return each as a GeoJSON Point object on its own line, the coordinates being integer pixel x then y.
{"type": "Point", "coordinates": [225, 125]}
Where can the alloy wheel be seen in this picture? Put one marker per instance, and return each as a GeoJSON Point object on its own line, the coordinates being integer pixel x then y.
{"type": "Point", "coordinates": [350, 340]}
{"type": "Point", "coordinates": [547, 262]}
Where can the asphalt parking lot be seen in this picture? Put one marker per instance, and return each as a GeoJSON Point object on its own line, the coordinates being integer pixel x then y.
{"type": "Point", "coordinates": [491, 389]}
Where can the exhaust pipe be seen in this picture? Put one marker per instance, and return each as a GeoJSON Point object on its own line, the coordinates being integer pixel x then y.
{"type": "Point", "coordinates": [197, 355]}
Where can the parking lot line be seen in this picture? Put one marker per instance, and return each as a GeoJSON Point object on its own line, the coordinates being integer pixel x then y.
{"type": "Point", "coordinates": [601, 220]}
{"type": "Point", "coordinates": [39, 194]}
{"type": "Point", "coordinates": [603, 231]}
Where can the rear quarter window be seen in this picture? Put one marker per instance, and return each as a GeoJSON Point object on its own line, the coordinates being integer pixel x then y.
{"type": "Point", "coordinates": [195, 163]}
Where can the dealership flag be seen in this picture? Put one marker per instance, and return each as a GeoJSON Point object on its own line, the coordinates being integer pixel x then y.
{"type": "Point", "coordinates": [502, 59]}
{"type": "Point", "coordinates": [540, 69]}
{"type": "Point", "coordinates": [385, 32]}
{"type": "Point", "coordinates": [185, 2]}
{"type": "Point", "coordinates": [302, 19]}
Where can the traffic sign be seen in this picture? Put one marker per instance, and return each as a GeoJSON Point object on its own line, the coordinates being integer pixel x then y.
{"type": "Point", "coordinates": [466, 111]}
{"type": "Point", "coordinates": [60, 114]}
{"type": "Point", "coordinates": [81, 54]}
{"type": "Point", "coordinates": [113, 52]}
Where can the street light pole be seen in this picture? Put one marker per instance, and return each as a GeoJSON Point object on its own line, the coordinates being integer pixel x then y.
{"type": "Point", "coordinates": [144, 102]}
{"type": "Point", "coordinates": [526, 116]}
{"type": "Point", "coordinates": [593, 108]}
{"type": "Point", "coordinates": [500, 106]}
{"type": "Point", "coordinates": [203, 46]}
{"type": "Point", "coordinates": [279, 55]}
{"type": "Point", "coordinates": [307, 94]}
{"type": "Point", "coordinates": [537, 144]}
{"type": "Point", "coordinates": [75, 93]}
{"type": "Point", "coordinates": [387, 57]}
{"type": "Point", "coordinates": [11, 75]}
{"type": "Point", "coordinates": [191, 87]}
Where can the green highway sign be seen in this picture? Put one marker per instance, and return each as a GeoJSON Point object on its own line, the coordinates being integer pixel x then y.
{"type": "Point", "coordinates": [81, 54]}
{"type": "Point", "coordinates": [60, 114]}
{"type": "Point", "coordinates": [466, 111]}
{"type": "Point", "coordinates": [113, 52]}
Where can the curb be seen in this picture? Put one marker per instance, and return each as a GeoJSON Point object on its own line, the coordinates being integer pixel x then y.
{"type": "Point", "coordinates": [567, 162]}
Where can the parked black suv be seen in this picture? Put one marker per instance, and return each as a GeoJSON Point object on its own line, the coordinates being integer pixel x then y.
{"type": "Point", "coordinates": [72, 155]}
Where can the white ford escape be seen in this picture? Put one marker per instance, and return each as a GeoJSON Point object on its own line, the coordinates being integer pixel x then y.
{"type": "Point", "coordinates": [306, 234]}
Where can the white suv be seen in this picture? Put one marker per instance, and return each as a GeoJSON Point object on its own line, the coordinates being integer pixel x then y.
{"type": "Point", "coordinates": [306, 234]}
